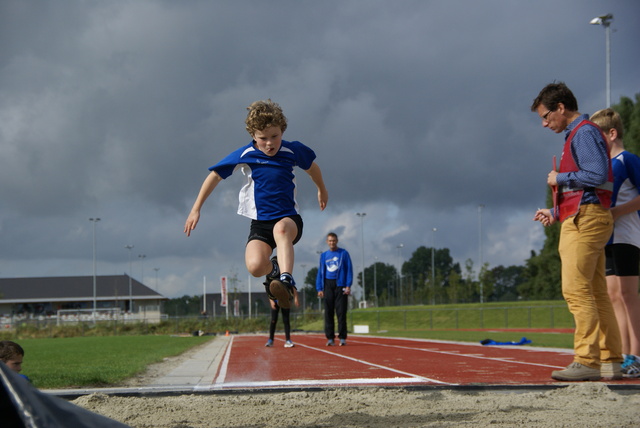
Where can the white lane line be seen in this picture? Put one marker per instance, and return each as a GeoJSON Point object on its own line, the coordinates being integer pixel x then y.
{"type": "Point", "coordinates": [312, 382]}
{"type": "Point", "coordinates": [357, 360]}
{"type": "Point", "coordinates": [459, 354]}
{"type": "Point", "coordinates": [225, 363]}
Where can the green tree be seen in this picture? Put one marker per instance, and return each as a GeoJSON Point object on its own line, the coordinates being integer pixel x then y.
{"type": "Point", "coordinates": [383, 279]}
{"type": "Point", "coordinates": [505, 282]}
{"type": "Point", "coordinates": [308, 289]}
{"type": "Point", "coordinates": [468, 291]}
{"type": "Point", "coordinates": [427, 275]}
{"type": "Point", "coordinates": [630, 114]}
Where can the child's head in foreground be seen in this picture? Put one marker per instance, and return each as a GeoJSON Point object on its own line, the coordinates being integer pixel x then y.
{"type": "Point", "coordinates": [11, 354]}
{"type": "Point", "coordinates": [263, 115]}
{"type": "Point", "coordinates": [608, 119]}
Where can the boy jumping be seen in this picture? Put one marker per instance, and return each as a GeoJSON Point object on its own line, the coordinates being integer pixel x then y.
{"type": "Point", "coordinates": [268, 196]}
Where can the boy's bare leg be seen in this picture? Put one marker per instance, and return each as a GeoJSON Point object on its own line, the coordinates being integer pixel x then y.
{"type": "Point", "coordinates": [257, 255]}
{"type": "Point", "coordinates": [284, 232]}
{"type": "Point", "coordinates": [629, 292]}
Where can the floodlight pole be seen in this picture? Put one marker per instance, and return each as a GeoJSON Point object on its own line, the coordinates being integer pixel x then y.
{"type": "Point", "coordinates": [605, 21]}
{"type": "Point", "coordinates": [130, 247]}
{"type": "Point", "coordinates": [94, 221]}
{"type": "Point", "coordinates": [433, 268]}
{"type": "Point", "coordinates": [399, 248]}
{"type": "Point", "coordinates": [364, 296]}
{"type": "Point", "coordinates": [480, 207]}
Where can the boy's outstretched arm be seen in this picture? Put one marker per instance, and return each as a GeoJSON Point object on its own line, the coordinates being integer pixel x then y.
{"type": "Point", "coordinates": [316, 175]}
{"type": "Point", "coordinates": [209, 184]}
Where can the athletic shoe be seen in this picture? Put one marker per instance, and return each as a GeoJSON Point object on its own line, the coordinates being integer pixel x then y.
{"type": "Point", "coordinates": [632, 370]}
{"type": "Point", "coordinates": [280, 291]}
{"type": "Point", "coordinates": [276, 275]}
{"type": "Point", "coordinates": [269, 343]}
{"type": "Point", "coordinates": [576, 372]}
{"type": "Point", "coordinates": [288, 281]}
{"type": "Point", "coordinates": [330, 342]}
{"type": "Point", "coordinates": [611, 371]}
{"type": "Point", "coordinates": [628, 360]}
{"type": "Point", "coordinates": [289, 344]}
{"type": "Point", "coordinates": [343, 342]}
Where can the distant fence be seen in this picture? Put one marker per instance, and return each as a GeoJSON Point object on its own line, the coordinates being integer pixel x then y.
{"type": "Point", "coordinates": [550, 316]}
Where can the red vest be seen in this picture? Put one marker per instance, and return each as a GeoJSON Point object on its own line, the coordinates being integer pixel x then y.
{"type": "Point", "coordinates": [569, 199]}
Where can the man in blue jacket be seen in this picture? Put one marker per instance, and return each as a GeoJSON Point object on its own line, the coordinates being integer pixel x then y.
{"type": "Point", "coordinates": [335, 275]}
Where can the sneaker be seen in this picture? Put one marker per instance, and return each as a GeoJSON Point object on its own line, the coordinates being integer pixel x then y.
{"type": "Point", "coordinates": [576, 372]}
{"type": "Point", "coordinates": [343, 342]}
{"type": "Point", "coordinates": [628, 360]}
{"type": "Point", "coordinates": [632, 370]}
{"type": "Point", "coordinates": [289, 344]}
{"type": "Point", "coordinates": [611, 371]}
{"type": "Point", "coordinates": [280, 291]}
{"type": "Point", "coordinates": [275, 271]}
{"type": "Point", "coordinates": [330, 342]}
{"type": "Point", "coordinates": [288, 281]}
{"type": "Point", "coordinates": [269, 343]}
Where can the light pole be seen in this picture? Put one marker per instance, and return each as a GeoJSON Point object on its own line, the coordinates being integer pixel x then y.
{"type": "Point", "coordinates": [156, 269]}
{"type": "Point", "coordinates": [94, 221]}
{"type": "Point", "coordinates": [364, 296]}
{"type": "Point", "coordinates": [130, 247]}
{"type": "Point", "coordinates": [433, 269]}
{"type": "Point", "coordinates": [142, 257]}
{"type": "Point", "coordinates": [480, 251]}
{"type": "Point", "coordinates": [375, 281]}
{"type": "Point", "coordinates": [605, 21]}
{"type": "Point", "coordinates": [399, 248]}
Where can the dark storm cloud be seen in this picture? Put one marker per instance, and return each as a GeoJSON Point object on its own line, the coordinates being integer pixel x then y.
{"type": "Point", "coordinates": [418, 111]}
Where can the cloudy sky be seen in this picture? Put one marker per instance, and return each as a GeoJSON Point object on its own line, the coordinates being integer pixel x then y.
{"type": "Point", "coordinates": [418, 112]}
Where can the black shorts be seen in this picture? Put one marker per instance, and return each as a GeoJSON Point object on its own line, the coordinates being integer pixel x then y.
{"type": "Point", "coordinates": [622, 260]}
{"type": "Point", "coordinates": [262, 230]}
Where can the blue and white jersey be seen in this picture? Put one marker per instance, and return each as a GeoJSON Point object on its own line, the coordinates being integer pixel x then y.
{"type": "Point", "coordinates": [269, 191]}
{"type": "Point", "coordinates": [626, 172]}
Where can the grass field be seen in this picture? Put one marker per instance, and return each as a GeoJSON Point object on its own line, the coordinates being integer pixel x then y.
{"type": "Point", "coordinates": [97, 361]}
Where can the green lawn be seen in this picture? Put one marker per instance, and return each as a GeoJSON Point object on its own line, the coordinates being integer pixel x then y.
{"type": "Point", "coordinates": [96, 361]}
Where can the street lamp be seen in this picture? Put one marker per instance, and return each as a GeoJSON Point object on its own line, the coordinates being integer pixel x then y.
{"type": "Point", "coordinates": [433, 269]}
{"type": "Point", "coordinates": [94, 221]}
{"type": "Point", "coordinates": [375, 281]}
{"type": "Point", "coordinates": [605, 21]}
{"type": "Point", "coordinates": [142, 257]}
{"type": "Point", "coordinates": [130, 247]}
{"type": "Point", "coordinates": [399, 248]}
{"type": "Point", "coordinates": [364, 296]}
{"type": "Point", "coordinates": [480, 207]}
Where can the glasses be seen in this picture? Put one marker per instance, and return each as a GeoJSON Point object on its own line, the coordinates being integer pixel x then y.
{"type": "Point", "coordinates": [545, 116]}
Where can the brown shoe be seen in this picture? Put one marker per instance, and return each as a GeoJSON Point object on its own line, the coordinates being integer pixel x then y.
{"type": "Point", "coordinates": [576, 372]}
{"type": "Point", "coordinates": [611, 371]}
{"type": "Point", "coordinates": [281, 293]}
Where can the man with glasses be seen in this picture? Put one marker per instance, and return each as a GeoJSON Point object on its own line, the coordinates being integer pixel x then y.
{"type": "Point", "coordinates": [585, 183]}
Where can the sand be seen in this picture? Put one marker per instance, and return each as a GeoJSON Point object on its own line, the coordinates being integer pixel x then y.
{"type": "Point", "coordinates": [585, 404]}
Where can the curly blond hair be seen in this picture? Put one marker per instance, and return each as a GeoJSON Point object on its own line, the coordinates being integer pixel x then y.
{"type": "Point", "coordinates": [263, 114]}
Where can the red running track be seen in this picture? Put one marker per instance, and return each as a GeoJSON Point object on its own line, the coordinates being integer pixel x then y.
{"type": "Point", "coordinates": [368, 360]}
